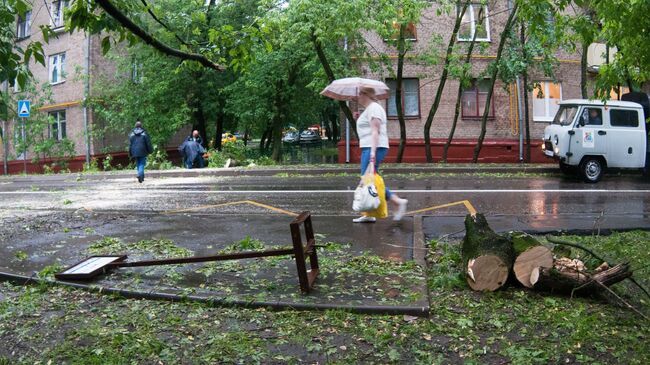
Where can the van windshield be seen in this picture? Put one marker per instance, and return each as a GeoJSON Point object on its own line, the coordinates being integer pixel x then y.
{"type": "Point", "coordinates": [565, 115]}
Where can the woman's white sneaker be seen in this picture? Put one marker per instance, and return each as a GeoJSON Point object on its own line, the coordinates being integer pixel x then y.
{"type": "Point", "coordinates": [364, 219]}
{"type": "Point", "coordinates": [401, 209]}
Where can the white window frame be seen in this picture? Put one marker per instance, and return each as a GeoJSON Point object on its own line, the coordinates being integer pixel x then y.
{"type": "Point", "coordinates": [25, 25]}
{"type": "Point", "coordinates": [59, 60]}
{"type": "Point", "coordinates": [392, 98]}
{"type": "Point", "coordinates": [57, 13]}
{"type": "Point", "coordinates": [56, 114]}
{"type": "Point", "coordinates": [547, 101]}
{"type": "Point", "coordinates": [472, 21]}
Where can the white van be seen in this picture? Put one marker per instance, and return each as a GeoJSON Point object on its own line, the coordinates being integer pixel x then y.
{"type": "Point", "coordinates": [593, 135]}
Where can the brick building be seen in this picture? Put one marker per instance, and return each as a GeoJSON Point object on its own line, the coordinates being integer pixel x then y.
{"type": "Point", "coordinates": [421, 83]}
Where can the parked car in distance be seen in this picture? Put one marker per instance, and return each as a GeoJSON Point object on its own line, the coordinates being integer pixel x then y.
{"type": "Point", "coordinates": [291, 137]}
{"type": "Point", "coordinates": [228, 138]}
{"type": "Point", "coordinates": [309, 136]}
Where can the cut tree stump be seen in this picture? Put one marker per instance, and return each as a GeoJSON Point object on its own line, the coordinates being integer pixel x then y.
{"type": "Point", "coordinates": [529, 255]}
{"type": "Point", "coordinates": [487, 256]}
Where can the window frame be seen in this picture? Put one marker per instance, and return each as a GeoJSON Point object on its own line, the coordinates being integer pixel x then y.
{"type": "Point", "coordinates": [61, 133]}
{"type": "Point", "coordinates": [61, 73]}
{"type": "Point", "coordinates": [388, 115]}
{"type": "Point", "coordinates": [25, 24]}
{"type": "Point", "coordinates": [479, 113]}
{"type": "Point", "coordinates": [472, 24]}
{"type": "Point", "coordinates": [59, 15]}
{"type": "Point", "coordinates": [547, 101]}
{"type": "Point", "coordinates": [611, 110]}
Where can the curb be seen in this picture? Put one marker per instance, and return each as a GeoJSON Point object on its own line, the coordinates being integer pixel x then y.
{"type": "Point", "coordinates": [219, 302]}
{"type": "Point", "coordinates": [304, 171]}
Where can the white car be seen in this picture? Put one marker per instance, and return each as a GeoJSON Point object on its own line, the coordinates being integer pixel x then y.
{"type": "Point", "coordinates": [593, 135]}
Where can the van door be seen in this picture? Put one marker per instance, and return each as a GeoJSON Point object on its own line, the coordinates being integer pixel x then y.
{"type": "Point", "coordinates": [626, 139]}
{"type": "Point", "coordinates": [590, 137]}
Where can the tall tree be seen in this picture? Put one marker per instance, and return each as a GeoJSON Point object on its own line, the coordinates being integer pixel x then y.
{"type": "Point", "coordinates": [443, 80]}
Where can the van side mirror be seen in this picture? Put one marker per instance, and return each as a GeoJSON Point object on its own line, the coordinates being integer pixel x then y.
{"type": "Point", "coordinates": [581, 122]}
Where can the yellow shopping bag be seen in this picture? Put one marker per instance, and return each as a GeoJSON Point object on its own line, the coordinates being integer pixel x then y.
{"type": "Point", "coordinates": [382, 210]}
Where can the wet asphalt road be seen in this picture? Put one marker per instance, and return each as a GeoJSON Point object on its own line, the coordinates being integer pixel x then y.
{"type": "Point", "coordinates": [536, 196]}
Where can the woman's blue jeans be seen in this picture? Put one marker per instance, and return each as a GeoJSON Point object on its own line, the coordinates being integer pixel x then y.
{"type": "Point", "coordinates": [365, 161]}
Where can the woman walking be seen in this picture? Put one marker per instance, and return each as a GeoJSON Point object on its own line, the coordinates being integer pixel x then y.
{"type": "Point", "coordinates": [373, 140]}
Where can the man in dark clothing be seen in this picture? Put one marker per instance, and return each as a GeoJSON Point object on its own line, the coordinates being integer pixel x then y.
{"type": "Point", "coordinates": [192, 153]}
{"type": "Point", "coordinates": [196, 137]}
{"type": "Point", "coordinates": [139, 148]}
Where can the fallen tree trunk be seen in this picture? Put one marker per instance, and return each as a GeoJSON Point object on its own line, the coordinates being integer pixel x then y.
{"type": "Point", "coordinates": [557, 280]}
{"type": "Point", "coordinates": [529, 255]}
{"type": "Point", "coordinates": [487, 256]}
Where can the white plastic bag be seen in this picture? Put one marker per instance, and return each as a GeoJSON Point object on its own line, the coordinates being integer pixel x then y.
{"type": "Point", "coordinates": [366, 197]}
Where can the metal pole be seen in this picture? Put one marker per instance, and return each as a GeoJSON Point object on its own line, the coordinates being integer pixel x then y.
{"type": "Point", "coordinates": [86, 93]}
{"type": "Point", "coordinates": [24, 146]}
{"type": "Point", "coordinates": [520, 107]}
{"type": "Point", "coordinates": [347, 122]}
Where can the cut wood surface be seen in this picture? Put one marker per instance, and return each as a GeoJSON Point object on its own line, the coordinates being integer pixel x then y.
{"type": "Point", "coordinates": [487, 256]}
{"type": "Point", "coordinates": [529, 255]}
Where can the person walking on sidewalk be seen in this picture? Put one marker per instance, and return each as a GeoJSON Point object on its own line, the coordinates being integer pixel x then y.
{"type": "Point", "coordinates": [139, 148]}
{"type": "Point", "coordinates": [373, 140]}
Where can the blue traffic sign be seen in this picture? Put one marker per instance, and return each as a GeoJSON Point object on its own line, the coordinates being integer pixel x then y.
{"type": "Point", "coordinates": [23, 108]}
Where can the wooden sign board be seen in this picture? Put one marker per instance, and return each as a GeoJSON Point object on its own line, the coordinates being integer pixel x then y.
{"type": "Point", "coordinates": [89, 268]}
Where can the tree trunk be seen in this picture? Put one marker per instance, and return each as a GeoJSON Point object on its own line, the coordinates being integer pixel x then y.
{"type": "Point", "coordinates": [219, 127]}
{"type": "Point", "coordinates": [468, 58]}
{"type": "Point", "coordinates": [495, 73]}
{"type": "Point", "coordinates": [264, 139]}
{"type": "Point", "coordinates": [401, 53]}
{"type": "Point", "coordinates": [322, 57]}
{"type": "Point", "coordinates": [573, 282]}
{"type": "Point", "coordinates": [525, 92]}
{"type": "Point", "coordinates": [529, 255]}
{"type": "Point", "coordinates": [441, 85]}
{"type": "Point", "coordinates": [487, 257]}
{"type": "Point", "coordinates": [199, 119]}
{"type": "Point", "coordinates": [583, 70]}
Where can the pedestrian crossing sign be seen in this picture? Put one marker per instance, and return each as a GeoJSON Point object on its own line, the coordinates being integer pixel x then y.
{"type": "Point", "coordinates": [23, 108]}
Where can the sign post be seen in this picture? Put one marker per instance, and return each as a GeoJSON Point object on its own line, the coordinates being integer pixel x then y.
{"type": "Point", "coordinates": [24, 108]}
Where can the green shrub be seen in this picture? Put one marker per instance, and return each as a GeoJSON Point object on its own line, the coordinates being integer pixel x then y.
{"type": "Point", "coordinates": [158, 160]}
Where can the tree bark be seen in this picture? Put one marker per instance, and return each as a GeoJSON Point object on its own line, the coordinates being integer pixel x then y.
{"type": "Point", "coordinates": [219, 126]}
{"type": "Point", "coordinates": [322, 57]}
{"type": "Point", "coordinates": [525, 92]}
{"type": "Point", "coordinates": [495, 73]}
{"type": "Point", "coordinates": [487, 257]}
{"type": "Point", "coordinates": [529, 255]}
{"type": "Point", "coordinates": [572, 282]}
{"type": "Point", "coordinates": [127, 23]}
{"type": "Point", "coordinates": [401, 53]}
{"type": "Point", "coordinates": [468, 58]}
{"type": "Point", "coordinates": [583, 70]}
{"type": "Point", "coordinates": [199, 121]}
{"type": "Point", "coordinates": [441, 85]}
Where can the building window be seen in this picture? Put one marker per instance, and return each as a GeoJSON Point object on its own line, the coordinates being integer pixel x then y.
{"type": "Point", "coordinates": [475, 20]}
{"type": "Point", "coordinates": [624, 118]}
{"type": "Point", "coordinates": [410, 32]}
{"type": "Point", "coordinates": [474, 98]}
{"type": "Point", "coordinates": [57, 68]}
{"type": "Point", "coordinates": [24, 26]}
{"type": "Point", "coordinates": [57, 128]}
{"type": "Point", "coordinates": [546, 98]}
{"type": "Point", "coordinates": [58, 9]}
{"type": "Point", "coordinates": [410, 98]}
{"type": "Point", "coordinates": [617, 92]}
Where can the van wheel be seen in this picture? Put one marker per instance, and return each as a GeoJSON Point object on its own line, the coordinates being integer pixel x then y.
{"type": "Point", "coordinates": [566, 169]}
{"type": "Point", "coordinates": [592, 169]}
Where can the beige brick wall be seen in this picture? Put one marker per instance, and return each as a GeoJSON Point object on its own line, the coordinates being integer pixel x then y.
{"type": "Point", "coordinates": [504, 124]}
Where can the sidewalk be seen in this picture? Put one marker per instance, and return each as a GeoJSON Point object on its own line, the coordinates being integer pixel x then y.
{"type": "Point", "coordinates": [390, 168]}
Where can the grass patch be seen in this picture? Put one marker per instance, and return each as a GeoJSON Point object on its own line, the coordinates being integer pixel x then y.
{"type": "Point", "coordinates": [509, 326]}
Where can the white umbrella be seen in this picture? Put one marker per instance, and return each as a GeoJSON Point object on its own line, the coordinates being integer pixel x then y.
{"type": "Point", "coordinates": [348, 88]}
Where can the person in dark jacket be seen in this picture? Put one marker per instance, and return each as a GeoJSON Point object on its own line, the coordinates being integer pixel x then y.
{"type": "Point", "coordinates": [192, 153]}
{"type": "Point", "coordinates": [196, 137]}
{"type": "Point", "coordinates": [139, 148]}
